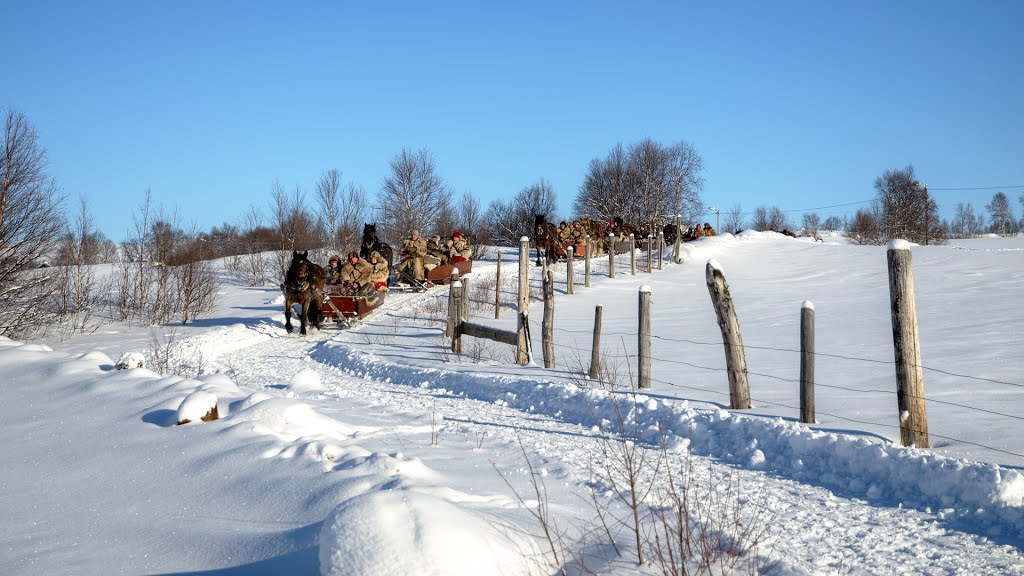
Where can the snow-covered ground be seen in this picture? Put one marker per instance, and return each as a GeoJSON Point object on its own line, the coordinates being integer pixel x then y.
{"type": "Point", "coordinates": [377, 451]}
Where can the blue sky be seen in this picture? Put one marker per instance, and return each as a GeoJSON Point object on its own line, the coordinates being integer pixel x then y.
{"type": "Point", "coordinates": [793, 104]}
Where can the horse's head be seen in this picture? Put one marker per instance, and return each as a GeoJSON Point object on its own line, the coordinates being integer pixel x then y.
{"type": "Point", "coordinates": [298, 275]}
{"type": "Point", "coordinates": [369, 232]}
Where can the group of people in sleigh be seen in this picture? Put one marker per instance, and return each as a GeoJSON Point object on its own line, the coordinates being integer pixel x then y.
{"type": "Point", "coordinates": [419, 255]}
{"type": "Point", "coordinates": [357, 277]}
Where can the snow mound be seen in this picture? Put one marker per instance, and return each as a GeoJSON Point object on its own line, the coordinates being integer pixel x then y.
{"type": "Point", "coordinates": [403, 532]}
{"type": "Point", "coordinates": [199, 405]}
{"type": "Point", "coordinates": [305, 381]}
{"type": "Point", "coordinates": [131, 360]}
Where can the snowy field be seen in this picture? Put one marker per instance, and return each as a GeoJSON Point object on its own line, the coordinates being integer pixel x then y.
{"type": "Point", "coordinates": [376, 451]}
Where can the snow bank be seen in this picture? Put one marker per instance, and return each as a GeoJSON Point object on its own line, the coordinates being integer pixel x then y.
{"type": "Point", "coordinates": [978, 493]}
{"type": "Point", "coordinates": [405, 532]}
{"type": "Point", "coordinates": [198, 406]}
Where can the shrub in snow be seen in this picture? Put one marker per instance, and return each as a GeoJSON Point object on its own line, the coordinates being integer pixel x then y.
{"type": "Point", "coordinates": [199, 405]}
{"type": "Point", "coordinates": [404, 532]}
{"type": "Point", "coordinates": [131, 360]}
{"type": "Point", "coordinates": [305, 381]}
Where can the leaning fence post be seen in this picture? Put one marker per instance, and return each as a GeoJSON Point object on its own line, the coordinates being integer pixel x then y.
{"type": "Point", "coordinates": [497, 289]}
{"type": "Point", "coordinates": [661, 247]}
{"type": "Point", "coordinates": [644, 338]}
{"type": "Point", "coordinates": [611, 255]}
{"type": "Point", "coordinates": [524, 299]}
{"type": "Point", "coordinates": [632, 255]}
{"type": "Point", "coordinates": [570, 277]}
{"type": "Point", "coordinates": [464, 300]}
{"type": "Point", "coordinates": [595, 350]}
{"type": "Point", "coordinates": [548, 322]}
{"type": "Point", "coordinates": [735, 358]}
{"type": "Point", "coordinates": [909, 375]}
{"type": "Point", "coordinates": [586, 274]}
{"type": "Point", "coordinates": [807, 415]}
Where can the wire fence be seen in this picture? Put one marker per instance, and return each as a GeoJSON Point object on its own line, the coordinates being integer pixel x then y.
{"type": "Point", "coordinates": [715, 389]}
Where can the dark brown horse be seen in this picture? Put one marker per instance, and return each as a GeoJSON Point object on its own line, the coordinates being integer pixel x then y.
{"type": "Point", "coordinates": [545, 235]}
{"type": "Point", "coordinates": [304, 285]}
{"type": "Point", "coordinates": [371, 242]}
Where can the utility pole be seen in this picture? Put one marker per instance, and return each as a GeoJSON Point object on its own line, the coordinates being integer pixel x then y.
{"type": "Point", "coordinates": [926, 232]}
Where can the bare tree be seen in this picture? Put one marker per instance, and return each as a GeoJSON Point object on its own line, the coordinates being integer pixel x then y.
{"type": "Point", "coordinates": [906, 211]}
{"type": "Point", "coordinates": [354, 209]}
{"type": "Point", "coordinates": [508, 222]}
{"type": "Point", "coordinates": [733, 219]}
{"type": "Point", "coordinates": [412, 196]}
{"type": "Point", "coordinates": [296, 228]}
{"type": "Point", "coordinates": [769, 218]}
{"type": "Point", "coordinates": [328, 192]}
{"type": "Point", "coordinates": [195, 283]}
{"type": "Point", "coordinates": [865, 229]}
{"type": "Point", "coordinates": [811, 223]}
{"type": "Point", "coordinates": [648, 182]}
{"type": "Point", "coordinates": [469, 216]}
{"type": "Point", "coordinates": [832, 224]}
{"type": "Point", "coordinates": [30, 220]}
{"type": "Point", "coordinates": [1001, 212]}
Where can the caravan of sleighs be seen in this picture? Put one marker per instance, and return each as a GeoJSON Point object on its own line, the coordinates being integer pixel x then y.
{"type": "Point", "coordinates": [345, 290]}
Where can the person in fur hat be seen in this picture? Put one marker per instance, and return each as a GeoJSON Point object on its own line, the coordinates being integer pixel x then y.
{"type": "Point", "coordinates": [459, 248]}
{"type": "Point", "coordinates": [355, 275]}
{"type": "Point", "coordinates": [333, 273]}
{"type": "Point", "coordinates": [379, 271]}
{"type": "Point", "coordinates": [413, 251]}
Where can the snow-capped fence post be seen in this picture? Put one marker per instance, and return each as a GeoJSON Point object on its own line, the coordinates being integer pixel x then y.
{"type": "Point", "coordinates": [661, 248]}
{"type": "Point", "coordinates": [570, 277]}
{"type": "Point", "coordinates": [611, 255]}
{"type": "Point", "coordinates": [909, 375]}
{"type": "Point", "coordinates": [548, 321]}
{"type": "Point", "coordinates": [595, 350]}
{"type": "Point", "coordinates": [455, 315]}
{"type": "Point", "coordinates": [497, 289]}
{"type": "Point", "coordinates": [524, 299]}
{"type": "Point", "coordinates": [586, 268]}
{"type": "Point", "coordinates": [644, 338]}
{"type": "Point", "coordinates": [807, 415]}
{"type": "Point", "coordinates": [735, 358]}
{"type": "Point", "coordinates": [632, 255]}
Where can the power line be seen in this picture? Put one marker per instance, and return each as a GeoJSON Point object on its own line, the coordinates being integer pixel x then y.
{"type": "Point", "coordinates": [978, 188]}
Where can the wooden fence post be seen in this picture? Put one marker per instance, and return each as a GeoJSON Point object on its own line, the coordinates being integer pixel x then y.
{"type": "Point", "coordinates": [807, 415]}
{"type": "Point", "coordinates": [449, 331]}
{"type": "Point", "coordinates": [611, 255]}
{"type": "Point", "coordinates": [524, 299]}
{"type": "Point", "coordinates": [661, 247]}
{"type": "Point", "coordinates": [909, 375]}
{"type": "Point", "coordinates": [548, 322]}
{"type": "Point", "coordinates": [570, 276]}
{"type": "Point", "coordinates": [650, 253]}
{"type": "Point", "coordinates": [464, 300]}
{"type": "Point", "coordinates": [586, 274]}
{"type": "Point", "coordinates": [455, 316]}
{"type": "Point", "coordinates": [644, 338]}
{"type": "Point", "coordinates": [595, 350]}
{"type": "Point", "coordinates": [632, 255]}
{"type": "Point", "coordinates": [675, 251]}
{"type": "Point", "coordinates": [735, 358]}
{"type": "Point", "coordinates": [497, 289]}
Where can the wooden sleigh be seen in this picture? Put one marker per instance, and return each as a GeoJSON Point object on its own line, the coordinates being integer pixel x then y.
{"type": "Point", "coordinates": [341, 308]}
{"type": "Point", "coordinates": [442, 273]}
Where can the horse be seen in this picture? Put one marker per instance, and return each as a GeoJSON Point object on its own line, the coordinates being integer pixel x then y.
{"type": "Point", "coordinates": [670, 231]}
{"type": "Point", "coordinates": [303, 284]}
{"type": "Point", "coordinates": [371, 242]}
{"type": "Point", "coordinates": [545, 235]}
